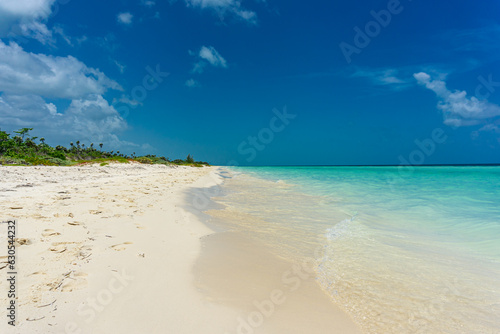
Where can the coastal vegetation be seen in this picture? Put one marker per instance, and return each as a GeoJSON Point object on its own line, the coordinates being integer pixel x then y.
{"type": "Point", "coordinates": [20, 148]}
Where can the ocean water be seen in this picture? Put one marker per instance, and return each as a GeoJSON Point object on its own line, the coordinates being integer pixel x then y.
{"type": "Point", "coordinates": [401, 250]}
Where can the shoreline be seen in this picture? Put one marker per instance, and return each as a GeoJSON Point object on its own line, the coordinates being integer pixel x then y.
{"type": "Point", "coordinates": [387, 261]}
{"type": "Point", "coordinates": [273, 294]}
{"type": "Point", "coordinates": [117, 249]}
{"type": "Point", "coordinates": [106, 249]}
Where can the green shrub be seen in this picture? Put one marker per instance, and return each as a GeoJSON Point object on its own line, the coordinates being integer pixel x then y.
{"type": "Point", "coordinates": [57, 154]}
{"type": "Point", "coordinates": [144, 160]}
{"type": "Point", "coordinates": [22, 149]}
{"type": "Point", "coordinates": [38, 161]}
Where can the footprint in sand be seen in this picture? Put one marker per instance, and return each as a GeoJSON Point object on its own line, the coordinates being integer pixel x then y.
{"type": "Point", "coordinates": [74, 223]}
{"type": "Point", "coordinates": [64, 243]}
{"type": "Point", "coordinates": [22, 241]}
{"type": "Point", "coordinates": [75, 281]}
{"type": "Point", "coordinates": [120, 247]}
{"type": "Point", "coordinates": [3, 262]}
{"type": "Point", "coordinates": [58, 249]}
{"type": "Point", "coordinates": [49, 232]}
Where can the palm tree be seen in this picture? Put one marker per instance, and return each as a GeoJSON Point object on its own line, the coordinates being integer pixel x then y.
{"type": "Point", "coordinates": [23, 132]}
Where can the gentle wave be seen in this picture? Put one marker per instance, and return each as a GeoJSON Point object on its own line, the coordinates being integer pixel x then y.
{"type": "Point", "coordinates": [412, 254]}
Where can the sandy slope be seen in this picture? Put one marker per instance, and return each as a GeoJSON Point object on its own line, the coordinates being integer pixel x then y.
{"type": "Point", "coordinates": [115, 249]}
{"type": "Point", "coordinates": [105, 250]}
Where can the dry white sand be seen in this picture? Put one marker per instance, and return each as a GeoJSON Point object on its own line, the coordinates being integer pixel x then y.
{"type": "Point", "coordinates": [111, 250]}
{"type": "Point", "coordinates": [105, 250]}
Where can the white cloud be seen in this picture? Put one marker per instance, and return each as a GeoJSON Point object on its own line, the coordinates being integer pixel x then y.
{"type": "Point", "coordinates": [52, 109]}
{"type": "Point", "coordinates": [148, 3]}
{"type": "Point", "coordinates": [383, 77]}
{"type": "Point", "coordinates": [25, 18]}
{"type": "Point", "coordinates": [124, 18]}
{"type": "Point", "coordinates": [212, 56]}
{"type": "Point", "coordinates": [36, 30]}
{"type": "Point", "coordinates": [458, 109]}
{"type": "Point", "coordinates": [82, 39]}
{"type": "Point", "coordinates": [93, 117]}
{"type": "Point", "coordinates": [191, 83]}
{"type": "Point", "coordinates": [485, 38]}
{"type": "Point", "coordinates": [199, 67]}
{"type": "Point", "coordinates": [127, 100]}
{"type": "Point", "coordinates": [90, 118]}
{"type": "Point", "coordinates": [490, 127]}
{"type": "Point", "coordinates": [27, 8]}
{"type": "Point", "coordinates": [58, 30]}
{"type": "Point", "coordinates": [224, 8]}
{"type": "Point", "coordinates": [20, 111]}
{"type": "Point", "coordinates": [120, 66]}
{"type": "Point", "coordinates": [29, 79]}
{"type": "Point", "coordinates": [49, 76]}
{"type": "Point", "coordinates": [208, 55]}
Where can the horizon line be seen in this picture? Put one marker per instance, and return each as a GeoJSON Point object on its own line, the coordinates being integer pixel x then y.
{"type": "Point", "coordinates": [425, 165]}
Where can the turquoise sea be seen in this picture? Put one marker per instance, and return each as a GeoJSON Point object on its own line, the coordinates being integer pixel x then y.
{"type": "Point", "coordinates": [400, 249]}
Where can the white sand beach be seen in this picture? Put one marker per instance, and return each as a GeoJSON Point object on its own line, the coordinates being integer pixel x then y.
{"type": "Point", "coordinates": [111, 249]}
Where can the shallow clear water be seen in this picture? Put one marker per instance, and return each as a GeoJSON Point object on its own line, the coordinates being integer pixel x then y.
{"type": "Point", "coordinates": [401, 250]}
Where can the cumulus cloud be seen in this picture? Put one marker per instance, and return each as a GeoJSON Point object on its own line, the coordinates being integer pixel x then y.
{"type": "Point", "coordinates": [224, 8]}
{"type": "Point", "coordinates": [212, 56]}
{"type": "Point", "coordinates": [148, 3]}
{"type": "Point", "coordinates": [458, 109]}
{"type": "Point", "coordinates": [191, 83]}
{"type": "Point", "coordinates": [124, 18]}
{"type": "Point", "coordinates": [90, 118]}
{"type": "Point", "coordinates": [19, 111]}
{"type": "Point", "coordinates": [30, 81]}
{"type": "Point", "coordinates": [93, 117]}
{"type": "Point", "coordinates": [54, 77]}
{"type": "Point", "coordinates": [25, 18]}
{"type": "Point", "coordinates": [208, 55]}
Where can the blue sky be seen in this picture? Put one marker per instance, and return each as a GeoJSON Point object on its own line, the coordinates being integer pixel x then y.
{"type": "Point", "coordinates": [258, 82]}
